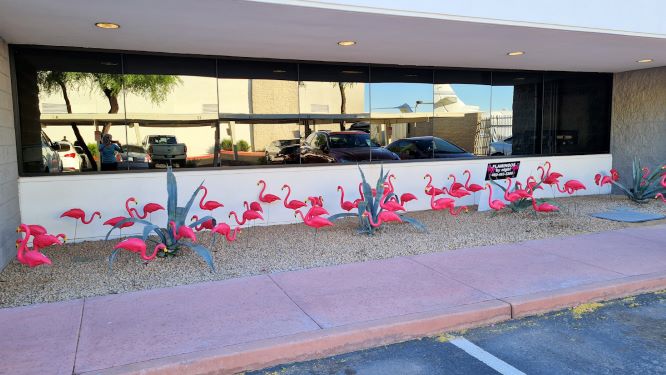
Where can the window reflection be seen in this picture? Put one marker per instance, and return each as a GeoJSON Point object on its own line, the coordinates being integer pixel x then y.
{"type": "Point", "coordinates": [402, 112]}
{"type": "Point", "coordinates": [67, 101]}
{"type": "Point", "coordinates": [259, 113]}
{"type": "Point", "coordinates": [333, 103]}
{"type": "Point", "coordinates": [462, 113]}
{"type": "Point", "coordinates": [171, 111]}
{"type": "Point", "coordinates": [515, 100]}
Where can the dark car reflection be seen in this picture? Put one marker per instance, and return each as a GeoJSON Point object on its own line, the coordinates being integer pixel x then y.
{"type": "Point", "coordinates": [133, 157]}
{"type": "Point", "coordinates": [342, 147]}
{"type": "Point", "coordinates": [283, 151]}
{"type": "Point", "coordinates": [427, 148]}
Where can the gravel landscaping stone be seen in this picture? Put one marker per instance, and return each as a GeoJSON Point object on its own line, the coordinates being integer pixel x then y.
{"type": "Point", "coordinates": [81, 269]}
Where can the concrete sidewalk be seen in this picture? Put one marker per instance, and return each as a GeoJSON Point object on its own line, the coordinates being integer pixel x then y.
{"type": "Point", "coordinates": [255, 322]}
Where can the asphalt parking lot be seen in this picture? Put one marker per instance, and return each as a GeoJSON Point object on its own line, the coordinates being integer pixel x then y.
{"type": "Point", "coordinates": [625, 336]}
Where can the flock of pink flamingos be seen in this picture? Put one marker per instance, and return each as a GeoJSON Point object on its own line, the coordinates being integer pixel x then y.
{"type": "Point", "coordinates": [314, 206]}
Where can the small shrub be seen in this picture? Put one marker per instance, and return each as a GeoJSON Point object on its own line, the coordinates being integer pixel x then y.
{"type": "Point", "coordinates": [226, 144]}
{"type": "Point", "coordinates": [93, 149]}
{"type": "Point", "coordinates": [243, 145]}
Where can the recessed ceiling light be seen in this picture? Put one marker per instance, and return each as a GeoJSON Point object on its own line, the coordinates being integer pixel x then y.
{"type": "Point", "coordinates": [644, 61]}
{"type": "Point", "coordinates": [352, 72]}
{"type": "Point", "coordinates": [279, 71]}
{"type": "Point", "coordinates": [107, 25]}
{"type": "Point", "coordinates": [346, 43]}
{"type": "Point", "coordinates": [515, 53]}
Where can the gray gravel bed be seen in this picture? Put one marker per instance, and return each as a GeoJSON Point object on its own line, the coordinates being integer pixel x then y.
{"type": "Point", "coordinates": [81, 269]}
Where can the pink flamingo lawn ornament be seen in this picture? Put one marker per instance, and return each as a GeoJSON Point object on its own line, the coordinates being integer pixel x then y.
{"type": "Point", "coordinates": [210, 205]}
{"type": "Point", "coordinates": [455, 185]}
{"type": "Point", "coordinates": [148, 209]}
{"type": "Point", "coordinates": [382, 217]}
{"type": "Point", "coordinates": [183, 232]}
{"type": "Point", "coordinates": [544, 207]}
{"type": "Point", "coordinates": [291, 204]}
{"type": "Point", "coordinates": [112, 222]}
{"type": "Point", "coordinates": [571, 187]}
{"type": "Point", "coordinates": [430, 189]}
{"type": "Point", "coordinates": [345, 205]}
{"type": "Point", "coordinates": [316, 210]}
{"type": "Point", "coordinates": [316, 201]}
{"type": "Point", "coordinates": [496, 204]}
{"type": "Point", "coordinates": [79, 214]}
{"type": "Point", "coordinates": [390, 205]}
{"type": "Point", "coordinates": [41, 241]}
{"type": "Point", "coordinates": [224, 229]}
{"type": "Point", "coordinates": [459, 193]}
{"type": "Point", "coordinates": [445, 203]}
{"type": "Point", "coordinates": [660, 196]}
{"type": "Point", "coordinates": [267, 198]}
{"type": "Point", "coordinates": [248, 215]}
{"type": "Point", "coordinates": [549, 178]}
{"type": "Point", "coordinates": [29, 258]}
{"type": "Point", "coordinates": [315, 222]}
{"type": "Point", "coordinates": [509, 195]}
{"type": "Point", "coordinates": [254, 206]}
{"type": "Point", "coordinates": [474, 188]}
{"type": "Point", "coordinates": [36, 229]}
{"type": "Point", "coordinates": [405, 197]}
{"type": "Point", "coordinates": [206, 225]}
{"type": "Point", "coordinates": [136, 245]}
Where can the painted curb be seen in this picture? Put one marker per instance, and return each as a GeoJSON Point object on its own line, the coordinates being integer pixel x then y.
{"type": "Point", "coordinates": [537, 303]}
{"type": "Point", "coordinates": [322, 343]}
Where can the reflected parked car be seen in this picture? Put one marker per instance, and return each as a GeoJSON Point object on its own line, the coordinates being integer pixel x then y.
{"type": "Point", "coordinates": [42, 157]}
{"type": "Point", "coordinates": [342, 147]}
{"type": "Point", "coordinates": [85, 162]}
{"type": "Point", "coordinates": [427, 147]}
{"type": "Point", "coordinates": [70, 158]}
{"type": "Point", "coordinates": [133, 157]}
{"type": "Point", "coordinates": [501, 147]}
{"type": "Point", "coordinates": [283, 151]}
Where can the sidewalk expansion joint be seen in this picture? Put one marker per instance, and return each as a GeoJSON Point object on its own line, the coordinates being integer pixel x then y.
{"type": "Point", "coordinates": [294, 302]}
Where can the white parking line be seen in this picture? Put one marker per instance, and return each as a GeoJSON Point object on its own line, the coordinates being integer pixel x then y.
{"type": "Point", "coordinates": [485, 357]}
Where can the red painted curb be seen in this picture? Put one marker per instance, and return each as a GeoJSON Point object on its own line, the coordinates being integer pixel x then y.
{"type": "Point", "coordinates": [322, 343]}
{"type": "Point", "coordinates": [542, 302]}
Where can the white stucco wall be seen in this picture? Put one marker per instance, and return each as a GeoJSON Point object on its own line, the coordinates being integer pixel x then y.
{"type": "Point", "coordinates": [9, 200]}
{"type": "Point", "coordinates": [42, 200]}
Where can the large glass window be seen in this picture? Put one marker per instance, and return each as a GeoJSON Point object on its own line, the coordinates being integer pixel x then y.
{"type": "Point", "coordinates": [576, 113]}
{"type": "Point", "coordinates": [88, 110]}
{"type": "Point", "coordinates": [516, 105]}
{"type": "Point", "coordinates": [171, 111]}
{"type": "Point", "coordinates": [333, 101]}
{"type": "Point", "coordinates": [463, 113]}
{"type": "Point", "coordinates": [402, 113]}
{"type": "Point", "coordinates": [67, 102]}
{"type": "Point", "coordinates": [259, 113]}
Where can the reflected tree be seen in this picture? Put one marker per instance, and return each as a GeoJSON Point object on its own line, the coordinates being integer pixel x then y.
{"type": "Point", "coordinates": [153, 87]}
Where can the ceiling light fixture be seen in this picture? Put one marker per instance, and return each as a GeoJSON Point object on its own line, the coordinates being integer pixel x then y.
{"type": "Point", "coordinates": [346, 43]}
{"type": "Point", "coordinates": [107, 25]}
{"type": "Point", "coordinates": [644, 61]}
{"type": "Point", "coordinates": [515, 53]}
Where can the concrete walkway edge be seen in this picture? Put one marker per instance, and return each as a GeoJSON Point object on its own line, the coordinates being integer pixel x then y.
{"type": "Point", "coordinates": [333, 341]}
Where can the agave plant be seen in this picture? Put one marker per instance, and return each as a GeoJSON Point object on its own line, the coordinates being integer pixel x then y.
{"type": "Point", "coordinates": [167, 234]}
{"type": "Point", "coordinates": [644, 185]}
{"type": "Point", "coordinates": [371, 205]}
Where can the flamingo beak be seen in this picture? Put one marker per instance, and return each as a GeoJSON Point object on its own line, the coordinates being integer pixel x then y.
{"type": "Point", "coordinates": [18, 229]}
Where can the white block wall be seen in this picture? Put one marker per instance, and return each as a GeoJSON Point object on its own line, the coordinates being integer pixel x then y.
{"type": "Point", "coordinates": [9, 199]}
{"type": "Point", "coordinates": [43, 199]}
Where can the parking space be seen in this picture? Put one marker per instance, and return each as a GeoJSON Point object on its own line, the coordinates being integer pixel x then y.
{"type": "Point", "coordinates": [626, 336]}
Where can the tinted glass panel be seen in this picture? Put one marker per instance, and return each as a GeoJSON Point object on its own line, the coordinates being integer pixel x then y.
{"type": "Point", "coordinates": [402, 113]}
{"type": "Point", "coordinates": [516, 105]}
{"type": "Point", "coordinates": [71, 98]}
{"type": "Point", "coordinates": [576, 113]}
